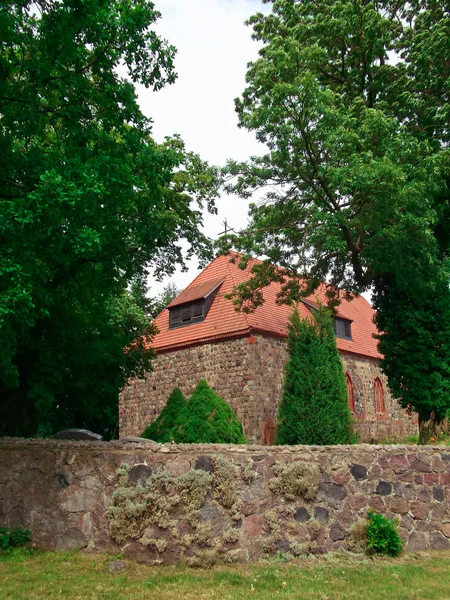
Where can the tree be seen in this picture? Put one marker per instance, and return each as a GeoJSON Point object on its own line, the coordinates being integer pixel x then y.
{"type": "Point", "coordinates": [88, 203]}
{"type": "Point", "coordinates": [169, 292]}
{"type": "Point", "coordinates": [152, 306]}
{"type": "Point", "coordinates": [416, 349]}
{"type": "Point", "coordinates": [314, 407]}
{"type": "Point", "coordinates": [351, 100]}
{"type": "Point", "coordinates": [207, 419]}
{"type": "Point", "coordinates": [160, 429]}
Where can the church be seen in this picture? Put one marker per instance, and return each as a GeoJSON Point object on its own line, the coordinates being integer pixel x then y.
{"type": "Point", "coordinates": [242, 356]}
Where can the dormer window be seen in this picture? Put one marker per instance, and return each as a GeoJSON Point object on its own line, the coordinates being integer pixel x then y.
{"type": "Point", "coordinates": [343, 328]}
{"type": "Point", "coordinates": [193, 304]}
{"type": "Point", "coordinates": [186, 314]}
{"type": "Point", "coordinates": [342, 325]}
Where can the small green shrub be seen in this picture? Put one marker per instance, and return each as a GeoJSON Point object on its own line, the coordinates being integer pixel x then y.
{"type": "Point", "coordinates": [160, 429]}
{"type": "Point", "coordinates": [209, 419]}
{"type": "Point", "coordinates": [13, 537]}
{"type": "Point", "coordinates": [382, 535]}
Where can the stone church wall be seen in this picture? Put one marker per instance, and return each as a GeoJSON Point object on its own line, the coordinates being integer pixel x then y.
{"type": "Point", "coordinates": [248, 373]}
{"type": "Point", "coordinates": [239, 508]}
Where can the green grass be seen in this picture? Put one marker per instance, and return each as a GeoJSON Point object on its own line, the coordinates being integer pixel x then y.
{"type": "Point", "coordinates": [73, 575]}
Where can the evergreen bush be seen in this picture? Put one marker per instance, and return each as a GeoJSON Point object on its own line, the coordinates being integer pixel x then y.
{"type": "Point", "coordinates": [13, 537]}
{"type": "Point", "coordinates": [160, 429]}
{"type": "Point", "coordinates": [207, 418]}
{"type": "Point", "coordinates": [314, 407]}
{"type": "Point", "coordinates": [382, 535]}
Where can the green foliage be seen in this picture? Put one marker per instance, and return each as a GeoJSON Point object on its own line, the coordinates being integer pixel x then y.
{"type": "Point", "coordinates": [207, 418]}
{"type": "Point", "coordinates": [314, 407]}
{"type": "Point", "coordinates": [356, 164]}
{"type": "Point", "coordinates": [89, 204]}
{"type": "Point", "coordinates": [160, 429]}
{"type": "Point", "coordinates": [415, 344]}
{"type": "Point", "coordinates": [158, 304]}
{"type": "Point", "coordinates": [382, 535]}
{"type": "Point", "coordinates": [13, 537]}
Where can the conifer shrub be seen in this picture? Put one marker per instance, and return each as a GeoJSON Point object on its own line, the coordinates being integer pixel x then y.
{"type": "Point", "coordinates": [207, 418]}
{"type": "Point", "coordinates": [382, 535]}
{"type": "Point", "coordinates": [314, 408]}
{"type": "Point", "coordinates": [160, 429]}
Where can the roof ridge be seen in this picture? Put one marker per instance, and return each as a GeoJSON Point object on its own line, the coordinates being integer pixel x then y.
{"type": "Point", "coordinates": [197, 276]}
{"type": "Point", "coordinates": [234, 284]}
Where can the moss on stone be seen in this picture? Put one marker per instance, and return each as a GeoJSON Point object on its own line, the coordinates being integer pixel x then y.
{"type": "Point", "coordinates": [295, 479]}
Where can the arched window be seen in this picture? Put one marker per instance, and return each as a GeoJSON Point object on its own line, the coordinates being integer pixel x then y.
{"type": "Point", "coordinates": [350, 392]}
{"type": "Point", "coordinates": [379, 396]}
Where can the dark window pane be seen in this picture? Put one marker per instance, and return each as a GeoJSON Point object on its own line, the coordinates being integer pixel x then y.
{"type": "Point", "coordinates": [197, 309]}
{"type": "Point", "coordinates": [186, 314]}
{"type": "Point", "coordinates": [342, 328]}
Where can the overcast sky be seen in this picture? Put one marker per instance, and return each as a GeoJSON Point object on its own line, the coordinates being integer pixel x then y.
{"type": "Point", "coordinates": [214, 47]}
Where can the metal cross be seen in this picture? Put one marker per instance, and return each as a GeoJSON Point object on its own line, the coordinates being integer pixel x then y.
{"type": "Point", "coordinates": [226, 227]}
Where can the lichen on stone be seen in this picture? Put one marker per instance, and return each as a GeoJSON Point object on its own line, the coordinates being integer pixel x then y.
{"type": "Point", "coordinates": [295, 479]}
{"type": "Point", "coordinates": [193, 486]}
{"type": "Point", "coordinates": [223, 481]}
{"type": "Point", "coordinates": [231, 535]}
{"type": "Point", "coordinates": [203, 535]}
{"type": "Point", "coordinates": [357, 538]}
{"type": "Point", "coordinates": [136, 507]}
{"type": "Point", "coordinates": [203, 558]}
{"type": "Point", "coordinates": [298, 549]}
{"type": "Point", "coordinates": [248, 474]}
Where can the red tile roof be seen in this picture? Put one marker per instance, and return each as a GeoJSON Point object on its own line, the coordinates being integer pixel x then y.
{"type": "Point", "coordinates": [196, 291]}
{"type": "Point", "coordinates": [222, 320]}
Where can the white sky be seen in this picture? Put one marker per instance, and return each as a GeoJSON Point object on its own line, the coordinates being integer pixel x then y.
{"type": "Point", "coordinates": [214, 47]}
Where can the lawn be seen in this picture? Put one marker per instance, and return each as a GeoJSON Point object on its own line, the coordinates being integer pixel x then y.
{"type": "Point", "coordinates": [74, 575]}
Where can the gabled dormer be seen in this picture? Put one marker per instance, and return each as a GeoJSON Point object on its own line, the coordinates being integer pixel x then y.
{"type": "Point", "coordinates": [342, 325]}
{"type": "Point", "coordinates": [193, 304]}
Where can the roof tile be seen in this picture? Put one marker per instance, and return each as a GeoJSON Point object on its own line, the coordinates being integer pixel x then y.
{"type": "Point", "coordinates": [223, 321]}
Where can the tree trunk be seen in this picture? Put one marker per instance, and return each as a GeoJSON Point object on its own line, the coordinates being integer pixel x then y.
{"type": "Point", "coordinates": [429, 428]}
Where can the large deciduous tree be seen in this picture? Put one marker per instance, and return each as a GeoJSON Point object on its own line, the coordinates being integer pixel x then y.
{"type": "Point", "coordinates": [351, 99]}
{"type": "Point", "coordinates": [88, 203]}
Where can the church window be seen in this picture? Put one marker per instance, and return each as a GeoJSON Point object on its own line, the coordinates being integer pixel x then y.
{"type": "Point", "coordinates": [350, 392]}
{"type": "Point", "coordinates": [379, 396]}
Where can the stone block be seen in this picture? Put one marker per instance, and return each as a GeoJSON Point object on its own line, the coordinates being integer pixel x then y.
{"type": "Point", "coordinates": [302, 515]}
{"type": "Point", "coordinates": [438, 493]}
{"type": "Point", "coordinates": [359, 472]}
{"type": "Point", "coordinates": [399, 505]}
{"type": "Point", "coordinates": [79, 499]}
{"type": "Point", "coordinates": [384, 488]}
{"type": "Point", "coordinates": [321, 514]}
{"type": "Point", "coordinates": [337, 532]}
{"type": "Point", "coordinates": [416, 542]}
{"type": "Point", "coordinates": [419, 510]}
{"type": "Point", "coordinates": [438, 541]}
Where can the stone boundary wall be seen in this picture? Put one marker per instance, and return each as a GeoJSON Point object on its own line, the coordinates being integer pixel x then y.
{"type": "Point", "coordinates": [211, 503]}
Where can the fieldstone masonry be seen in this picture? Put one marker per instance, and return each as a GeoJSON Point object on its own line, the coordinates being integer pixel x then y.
{"type": "Point", "coordinates": [62, 491]}
{"type": "Point", "coordinates": [248, 372]}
